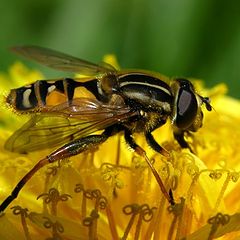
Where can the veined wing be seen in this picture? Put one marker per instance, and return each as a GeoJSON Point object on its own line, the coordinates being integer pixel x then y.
{"type": "Point", "coordinates": [61, 61]}
{"type": "Point", "coordinates": [65, 123]}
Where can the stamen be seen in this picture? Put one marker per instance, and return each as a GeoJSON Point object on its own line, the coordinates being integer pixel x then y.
{"type": "Point", "coordinates": [215, 174]}
{"type": "Point", "coordinates": [100, 203]}
{"type": "Point", "coordinates": [216, 221]}
{"type": "Point", "coordinates": [112, 224]}
{"type": "Point", "coordinates": [223, 189]}
{"type": "Point", "coordinates": [80, 189]}
{"type": "Point", "coordinates": [18, 210]}
{"type": "Point", "coordinates": [158, 218]}
{"type": "Point", "coordinates": [130, 210]}
{"type": "Point", "coordinates": [145, 214]}
{"type": "Point", "coordinates": [56, 227]}
{"type": "Point", "coordinates": [51, 172]}
{"type": "Point", "coordinates": [234, 176]}
{"type": "Point", "coordinates": [91, 223]}
{"type": "Point", "coordinates": [53, 196]}
{"type": "Point", "coordinates": [110, 173]}
{"type": "Point", "coordinates": [138, 227]}
{"type": "Point", "coordinates": [177, 211]}
{"type": "Point", "coordinates": [174, 182]}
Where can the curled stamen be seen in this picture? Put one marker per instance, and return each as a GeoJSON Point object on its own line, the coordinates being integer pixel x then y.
{"type": "Point", "coordinates": [144, 212]}
{"type": "Point", "coordinates": [64, 197]}
{"type": "Point", "coordinates": [215, 174]}
{"type": "Point", "coordinates": [18, 210]}
{"type": "Point", "coordinates": [59, 227]}
{"type": "Point", "coordinates": [165, 170]}
{"type": "Point", "coordinates": [130, 209]}
{"type": "Point", "coordinates": [219, 219]}
{"type": "Point", "coordinates": [56, 227]}
{"type": "Point", "coordinates": [147, 213]}
{"type": "Point", "coordinates": [91, 223]}
{"type": "Point", "coordinates": [174, 182]}
{"type": "Point", "coordinates": [110, 173]}
{"type": "Point", "coordinates": [96, 193]}
{"type": "Point", "coordinates": [88, 194]}
{"type": "Point", "coordinates": [47, 223]}
{"type": "Point", "coordinates": [216, 221]}
{"type": "Point", "coordinates": [88, 221]}
{"type": "Point", "coordinates": [53, 196]}
{"type": "Point", "coordinates": [234, 176]}
{"type": "Point", "coordinates": [102, 202]}
{"type": "Point", "coordinates": [79, 188]}
{"type": "Point", "coordinates": [192, 169]}
{"type": "Point", "coordinates": [52, 170]}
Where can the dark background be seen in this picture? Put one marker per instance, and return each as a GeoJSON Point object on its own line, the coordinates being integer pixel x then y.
{"type": "Point", "coordinates": [189, 38]}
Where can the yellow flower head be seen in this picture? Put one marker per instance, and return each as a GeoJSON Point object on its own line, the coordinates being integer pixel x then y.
{"type": "Point", "coordinates": [111, 193]}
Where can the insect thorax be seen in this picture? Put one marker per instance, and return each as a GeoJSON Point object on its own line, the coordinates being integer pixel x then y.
{"type": "Point", "coordinates": [145, 91]}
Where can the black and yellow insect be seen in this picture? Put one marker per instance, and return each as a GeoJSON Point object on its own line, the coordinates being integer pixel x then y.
{"type": "Point", "coordinates": [127, 101]}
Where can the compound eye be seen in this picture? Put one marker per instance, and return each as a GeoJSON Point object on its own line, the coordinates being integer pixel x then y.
{"type": "Point", "coordinates": [187, 107]}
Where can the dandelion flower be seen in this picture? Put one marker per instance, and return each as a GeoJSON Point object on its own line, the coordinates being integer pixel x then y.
{"type": "Point", "coordinates": [110, 192]}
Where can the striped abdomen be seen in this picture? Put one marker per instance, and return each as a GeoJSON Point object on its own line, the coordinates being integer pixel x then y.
{"type": "Point", "coordinates": [38, 94]}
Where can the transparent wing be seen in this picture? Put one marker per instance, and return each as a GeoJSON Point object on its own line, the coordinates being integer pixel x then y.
{"type": "Point", "coordinates": [64, 123]}
{"type": "Point", "coordinates": [61, 61]}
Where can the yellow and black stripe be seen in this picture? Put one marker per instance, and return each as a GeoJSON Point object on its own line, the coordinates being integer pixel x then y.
{"type": "Point", "coordinates": [149, 91]}
{"type": "Point", "coordinates": [35, 95]}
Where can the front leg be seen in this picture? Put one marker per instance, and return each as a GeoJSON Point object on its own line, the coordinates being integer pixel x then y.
{"type": "Point", "coordinates": [154, 145]}
{"type": "Point", "coordinates": [131, 142]}
{"type": "Point", "coordinates": [179, 136]}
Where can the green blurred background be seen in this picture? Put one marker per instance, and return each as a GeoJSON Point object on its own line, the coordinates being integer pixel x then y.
{"type": "Point", "coordinates": [190, 38]}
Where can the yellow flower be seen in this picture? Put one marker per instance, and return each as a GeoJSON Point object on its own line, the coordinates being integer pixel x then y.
{"type": "Point", "coordinates": [110, 193]}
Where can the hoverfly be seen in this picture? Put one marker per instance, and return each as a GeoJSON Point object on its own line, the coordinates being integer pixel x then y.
{"type": "Point", "coordinates": [127, 101]}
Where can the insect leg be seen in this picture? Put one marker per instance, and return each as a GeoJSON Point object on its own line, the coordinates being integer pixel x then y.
{"type": "Point", "coordinates": [22, 182]}
{"type": "Point", "coordinates": [131, 142]}
{"type": "Point", "coordinates": [73, 148]}
{"type": "Point", "coordinates": [155, 146]}
{"type": "Point", "coordinates": [179, 136]}
{"type": "Point", "coordinates": [78, 146]}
